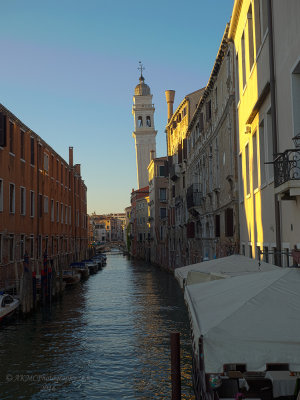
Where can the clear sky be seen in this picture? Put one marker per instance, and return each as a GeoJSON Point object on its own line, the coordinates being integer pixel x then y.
{"type": "Point", "coordinates": [68, 70]}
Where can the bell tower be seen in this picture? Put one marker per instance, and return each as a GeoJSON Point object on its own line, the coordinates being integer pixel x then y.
{"type": "Point", "coordinates": [144, 132]}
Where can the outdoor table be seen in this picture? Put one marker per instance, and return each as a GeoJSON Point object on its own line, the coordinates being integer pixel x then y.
{"type": "Point", "coordinates": [283, 383]}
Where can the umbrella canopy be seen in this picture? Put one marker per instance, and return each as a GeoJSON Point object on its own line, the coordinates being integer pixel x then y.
{"type": "Point", "coordinates": [252, 319]}
{"type": "Point", "coordinates": [223, 267]}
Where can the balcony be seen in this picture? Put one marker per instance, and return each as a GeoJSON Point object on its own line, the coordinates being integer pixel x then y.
{"type": "Point", "coordinates": [287, 174]}
{"type": "Point", "coordinates": [193, 196]}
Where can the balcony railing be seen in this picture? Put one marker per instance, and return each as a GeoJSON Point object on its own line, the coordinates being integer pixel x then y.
{"type": "Point", "coordinates": [287, 167]}
{"type": "Point", "coordinates": [193, 196]}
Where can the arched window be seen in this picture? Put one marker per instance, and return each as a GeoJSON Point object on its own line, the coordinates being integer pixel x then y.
{"type": "Point", "coordinates": [140, 122]}
{"type": "Point", "coordinates": [148, 121]}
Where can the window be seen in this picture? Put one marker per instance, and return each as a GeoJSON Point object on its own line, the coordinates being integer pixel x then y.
{"type": "Point", "coordinates": [163, 212]}
{"type": "Point", "coordinates": [250, 251]}
{"type": "Point", "coordinates": [11, 198]}
{"type": "Point", "coordinates": [39, 246]}
{"type": "Point", "coordinates": [52, 210]}
{"type": "Point", "coordinates": [32, 150]}
{"type": "Point", "coordinates": [208, 110]}
{"type": "Point", "coordinates": [229, 222]}
{"type": "Point", "coordinates": [262, 153]}
{"type": "Point", "coordinates": [148, 121]}
{"type": "Point", "coordinates": [257, 24]}
{"type": "Point", "coordinates": [140, 122]}
{"type": "Point", "coordinates": [31, 203]}
{"type": "Point", "coordinates": [2, 130]}
{"type": "Point", "coordinates": [184, 112]}
{"type": "Point", "coordinates": [11, 137]}
{"type": "Point", "coordinates": [46, 162]}
{"type": "Point", "coordinates": [57, 211]}
{"type": "Point", "coordinates": [61, 213]}
{"type": "Point", "coordinates": [296, 98]}
{"type": "Point", "coordinates": [201, 122]}
{"type": "Point", "coordinates": [266, 254]}
{"type": "Point", "coordinates": [70, 215]}
{"type": "Point", "coordinates": [162, 170]}
{"type": "Point", "coordinates": [1, 194]}
{"type": "Point", "coordinates": [217, 225]}
{"type": "Point", "coordinates": [22, 145]}
{"type": "Point", "coordinates": [270, 144]}
{"type": "Point", "coordinates": [11, 244]}
{"type": "Point", "coordinates": [31, 249]}
{"type": "Point", "coordinates": [22, 247]}
{"type": "Point", "coordinates": [40, 205]}
{"type": "Point", "coordinates": [243, 59]}
{"type": "Point", "coordinates": [254, 163]}
{"type": "Point", "coordinates": [23, 200]}
{"type": "Point", "coordinates": [241, 181]}
{"type": "Point", "coordinates": [46, 204]}
{"type": "Point", "coordinates": [162, 194]}
{"type": "Point", "coordinates": [62, 174]}
{"type": "Point", "coordinates": [247, 170]}
{"type": "Point", "coordinates": [237, 81]}
{"type": "Point", "coordinates": [66, 214]}
{"type": "Point", "coordinates": [0, 248]}
{"type": "Point", "coordinates": [250, 37]}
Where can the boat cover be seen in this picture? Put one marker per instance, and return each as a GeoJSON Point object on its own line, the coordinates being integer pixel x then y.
{"type": "Point", "coordinates": [221, 267]}
{"type": "Point", "coordinates": [252, 319]}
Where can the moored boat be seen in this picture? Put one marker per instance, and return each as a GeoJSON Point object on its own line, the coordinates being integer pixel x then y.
{"type": "Point", "coordinates": [8, 306]}
{"type": "Point", "coordinates": [82, 269]}
{"type": "Point", "coordinates": [71, 277]}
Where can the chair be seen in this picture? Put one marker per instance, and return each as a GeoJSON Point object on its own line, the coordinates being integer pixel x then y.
{"type": "Point", "coordinates": [235, 367]}
{"type": "Point", "coordinates": [277, 367]}
{"type": "Point", "coordinates": [259, 388]}
{"type": "Point", "coordinates": [228, 389]}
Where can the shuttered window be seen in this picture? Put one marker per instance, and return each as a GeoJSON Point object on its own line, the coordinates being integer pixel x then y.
{"type": "Point", "coordinates": [217, 225]}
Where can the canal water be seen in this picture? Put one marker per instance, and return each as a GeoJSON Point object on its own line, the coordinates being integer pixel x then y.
{"type": "Point", "coordinates": [107, 338]}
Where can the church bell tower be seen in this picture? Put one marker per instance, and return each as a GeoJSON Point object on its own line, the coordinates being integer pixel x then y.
{"type": "Point", "coordinates": [144, 132]}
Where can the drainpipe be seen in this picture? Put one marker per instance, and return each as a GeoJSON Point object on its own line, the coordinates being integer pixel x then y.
{"type": "Point", "coordinates": [274, 129]}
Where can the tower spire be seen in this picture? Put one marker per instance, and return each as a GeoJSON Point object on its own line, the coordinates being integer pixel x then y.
{"type": "Point", "coordinates": [141, 68]}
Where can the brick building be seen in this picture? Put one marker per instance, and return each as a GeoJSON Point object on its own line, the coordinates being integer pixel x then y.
{"type": "Point", "coordinates": [43, 202]}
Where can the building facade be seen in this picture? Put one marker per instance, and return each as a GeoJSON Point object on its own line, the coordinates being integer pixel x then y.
{"type": "Point", "coordinates": [267, 97]}
{"type": "Point", "coordinates": [176, 131]}
{"type": "Point", "coordinates": [139, 229]}
{"type": "Point", "coordinates": [212, 192]}
{"type": "Point", "coordinates": [158, 206]}
{"type": "Point", "coordinates": [43, 202]}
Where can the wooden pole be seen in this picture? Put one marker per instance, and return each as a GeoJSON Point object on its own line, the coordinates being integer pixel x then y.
{"type": "Point", "coordinates": [175, 366]}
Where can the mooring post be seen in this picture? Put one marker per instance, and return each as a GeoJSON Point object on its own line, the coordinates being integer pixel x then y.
{"type": "Point", "coordinates": [175, 366]}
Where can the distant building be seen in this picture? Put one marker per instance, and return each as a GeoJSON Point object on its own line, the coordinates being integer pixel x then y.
{"type": "Point", "coordinates": [43, 202]}
{"type": "Point", "coordinates": [108, 227]}
{"type": "Point", "coordinates": [176, 131]}
{"type": "Point", "coordinates": [158, 216]}
{"type": "Point", "coordinates": [139, 224]}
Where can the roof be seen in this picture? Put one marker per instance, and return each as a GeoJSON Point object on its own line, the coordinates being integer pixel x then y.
{"type": "Point", "coordinates": [213, 75]}
{"type": "Point", "coordinates": [141, 88]}
{"type": "Point", "coordinates": [252, 319]}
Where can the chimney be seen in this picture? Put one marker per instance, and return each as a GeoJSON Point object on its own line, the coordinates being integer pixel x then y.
{"type": "Point", "coordinates": [170, 94]}
{"type": "Point", "coordinates": [152, 155]}
{"type": "Point", "coordinates": [71, 157]}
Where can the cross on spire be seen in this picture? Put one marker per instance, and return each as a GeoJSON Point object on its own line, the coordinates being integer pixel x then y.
{"type": "Point", "coordinates": [141, 68]}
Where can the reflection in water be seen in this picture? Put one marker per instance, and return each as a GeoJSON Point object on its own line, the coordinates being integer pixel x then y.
{"type": "Point", "coordinates": [108, 338]}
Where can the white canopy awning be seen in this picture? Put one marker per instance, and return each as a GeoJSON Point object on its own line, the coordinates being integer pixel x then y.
{"type": "Point", "coordinates": [252, 319]}
{"type": "Point", "coordinates": [221, 267]}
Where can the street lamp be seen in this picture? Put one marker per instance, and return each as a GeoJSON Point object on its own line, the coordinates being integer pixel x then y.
{"type": "Point", "coordinates": [296, 140]}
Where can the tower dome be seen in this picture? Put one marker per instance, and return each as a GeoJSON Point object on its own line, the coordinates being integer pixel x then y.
{"type": "Point", "coordinates": [142, 89]}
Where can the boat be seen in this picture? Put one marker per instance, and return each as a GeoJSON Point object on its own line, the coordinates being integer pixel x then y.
{"type": "Point", "coordinates": [82, 269]}
{"type": "Point", "coordinates": [92, 265]}
{"type": "Point", "coordinates": [8, 306]}
{"type": "Point", "coordinates": [71, 277]}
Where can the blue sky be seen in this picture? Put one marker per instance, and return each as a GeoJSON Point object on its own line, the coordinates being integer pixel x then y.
{"type": "Point", "coordinates": [69, 68]}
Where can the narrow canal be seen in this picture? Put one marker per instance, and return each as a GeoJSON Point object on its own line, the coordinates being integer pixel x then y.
{"type": "Point", "coordinates": [107, 338]}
